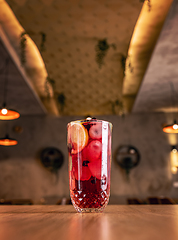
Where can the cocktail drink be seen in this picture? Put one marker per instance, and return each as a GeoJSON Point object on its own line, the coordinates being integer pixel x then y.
{"type": "Point", "coordinates": [89, 148]}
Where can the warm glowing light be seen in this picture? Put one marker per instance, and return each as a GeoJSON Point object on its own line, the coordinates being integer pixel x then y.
{"type": "Point", "coordinates": [4, 111]}
{"type": "Point", "coordinates": [172, 139]}
{"type": "Point", "coordinates": [174, 161]}
{"type": "Point", "coordinates": [174, 170]}
{"type": "Point", "coordinates": [8, 142]}
{"type": "Point", "coordinates": [175, 126]}
{"type": "Point", "coordinates": [6, 114]}
{"type": "Point", "coordinates": [174, 150]}
{"type": "Point", "coordinates": [171, 128]}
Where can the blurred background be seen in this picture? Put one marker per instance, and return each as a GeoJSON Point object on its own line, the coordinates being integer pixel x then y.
{"type": "Point", "coordinates": [63, 60]}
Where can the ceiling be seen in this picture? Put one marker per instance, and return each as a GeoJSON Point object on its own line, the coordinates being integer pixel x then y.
{"type": "Point", "coordinates": [66, 34]}
{"type": "Point", "coordinates": [159, 89]}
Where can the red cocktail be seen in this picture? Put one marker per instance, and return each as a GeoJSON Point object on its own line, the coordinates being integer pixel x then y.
{"type": "Point", "coordinates": [89, 147]}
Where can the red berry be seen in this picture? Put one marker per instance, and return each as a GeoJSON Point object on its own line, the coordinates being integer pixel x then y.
{"type": "Point", "coordinates": [84, 154]}
{"type": "Point", "coordinates": [94, 150]}
{"type": "Point", "coordinates": [79, 169]}
{"type": "Point", "coordinates": [95, 131]}
{"type": "Point", "coordinates": [86, 174]}
{"type": "Point", "coordinates": [95, 168]}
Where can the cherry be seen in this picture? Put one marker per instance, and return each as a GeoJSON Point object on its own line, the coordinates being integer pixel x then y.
{"type": "Point", "coordinates": [94, 150]}
{"type": "Point", "coordinates": [95, 131]}
{"type": "Point", "coordinates": [84, 154]}
{"type": "Point", "coordinates": [95, 168]}
{"type": "Point", "coordinates": [86, 174]}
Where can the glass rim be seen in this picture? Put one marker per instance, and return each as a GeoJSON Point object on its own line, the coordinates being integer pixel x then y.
{"type": "Point", "coordinates": [89, 121]}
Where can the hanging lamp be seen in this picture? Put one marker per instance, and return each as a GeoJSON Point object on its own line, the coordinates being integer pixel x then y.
{"type": "Point", "coordinates": [174, 149]}
{"type": "Point", "coordinates": [173, 128]}
{"type": "Point", "coordinates": [7, 141]}
{"type": "Point", "coordinates": [7, 114]}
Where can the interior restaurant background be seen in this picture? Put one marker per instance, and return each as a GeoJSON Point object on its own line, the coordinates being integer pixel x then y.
{"type": "Point", "coordinates": [23, 176]}
{"type": "Point", "coordinates": [63, 74]}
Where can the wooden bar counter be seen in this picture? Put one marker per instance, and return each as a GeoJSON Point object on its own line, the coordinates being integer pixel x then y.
{"type": "Point", "coordinates": [124, 222]}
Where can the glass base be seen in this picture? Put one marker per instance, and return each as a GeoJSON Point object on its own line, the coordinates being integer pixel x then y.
{"type": "Point", "coordinates": [89, 210]}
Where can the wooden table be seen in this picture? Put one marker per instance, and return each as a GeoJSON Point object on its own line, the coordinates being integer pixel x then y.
{"type": "Point", "coordinates": [121, 222]}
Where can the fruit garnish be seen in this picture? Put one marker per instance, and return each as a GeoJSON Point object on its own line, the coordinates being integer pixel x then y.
{"type": "Point", "coordinates": [95, 168]}
{"type": "Point", "coordinates": [86, 174]}
{"type": "Point", "coordinates": [95, 131]}
{"type": "Point", "coordinates": [84, 154]}
{"type": "Point", "coordinates": [80, 168]}
{"type": "Point", "coordinates": [94, 150]}
{"type": "Point", "coordinates": [77, 137]}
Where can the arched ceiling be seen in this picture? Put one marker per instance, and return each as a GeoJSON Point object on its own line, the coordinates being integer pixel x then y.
{"type": "Point", "coordinates": [66, 32]}
{"type": "Point", "coordinates": [145, 36]}
{"type": "Point", "coordinates": [159, 89]}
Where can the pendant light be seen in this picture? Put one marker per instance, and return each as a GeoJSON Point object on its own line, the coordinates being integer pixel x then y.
{"type": "Point", "coordinates": [171, 128]}
{"type": "Point", "coordinates": [5, 113]}
{"type": "Point", "coordinates": [8, 114]}
{"type": "Point", "coordinates": [174, 149]}
{"type": "Point", "coordinates": [7, 141]}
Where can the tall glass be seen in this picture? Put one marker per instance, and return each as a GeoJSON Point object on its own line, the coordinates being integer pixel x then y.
{"type": "Point", "coordinates": [89, 148]}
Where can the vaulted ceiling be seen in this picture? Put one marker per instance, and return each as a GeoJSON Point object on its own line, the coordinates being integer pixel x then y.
{"type": "Point", "coordinates": [159, 89]}
{"type": "Point", "coordinates": [90, 56]}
